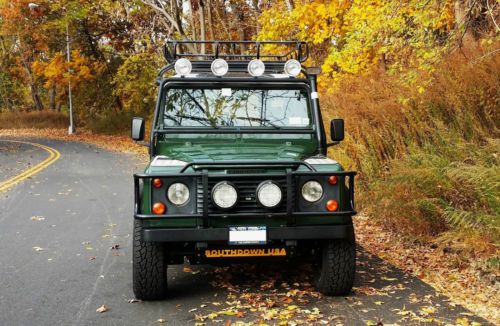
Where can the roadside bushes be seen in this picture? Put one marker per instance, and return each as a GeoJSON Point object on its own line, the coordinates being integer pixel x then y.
{"type": "Point", "coordinates": [33, 119]}
{"type": "Point", "coordinates": [427, 151]}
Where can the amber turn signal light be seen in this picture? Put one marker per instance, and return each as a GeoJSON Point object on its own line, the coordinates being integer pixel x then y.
{"type": "Point", "coordinates": [157, 183]}
{"type": "Point", "coordinates": [332, 180]}
{"type": "Point", "coordinates": [332, 205]}
{"type": "Point", "coordinates": [159, 208]}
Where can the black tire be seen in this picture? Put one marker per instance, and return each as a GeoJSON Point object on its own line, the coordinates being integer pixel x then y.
{"type": "Point", "coordinates": [336, 267]}
{"type": "Point", "coordinates": [149, 267]}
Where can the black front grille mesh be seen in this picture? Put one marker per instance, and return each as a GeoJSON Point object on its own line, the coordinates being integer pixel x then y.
{"type": "Point", "coordinates": [247, 201]}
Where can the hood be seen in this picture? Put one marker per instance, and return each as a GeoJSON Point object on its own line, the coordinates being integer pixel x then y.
{"type": "Point", "coordinates": [236, 152]}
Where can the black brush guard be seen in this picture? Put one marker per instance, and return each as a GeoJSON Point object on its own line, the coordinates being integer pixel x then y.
{"type": "Point", "coordinates": [204, 176]}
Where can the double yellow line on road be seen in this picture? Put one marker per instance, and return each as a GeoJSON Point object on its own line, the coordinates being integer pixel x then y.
{"type": "Point", "coordinates": [53, 156]}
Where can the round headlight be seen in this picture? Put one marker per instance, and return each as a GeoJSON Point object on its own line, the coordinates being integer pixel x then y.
{"type": "Point", "coordinates": [312, 191]}
{"type": "Point", "coordinates": [256, 67]}
{"type": "Point", "coordinates": [178, 194]}
{"type": "Point", "coordinates": [293, 68]}
{"type": "Point", "coordinates": [219, 67]}
{"type": "Point", "coordinates": [269, 194]}
{"type": "Point", "coordinates": [183, 67]}
{"type": "Point", "coordinates": [224, 195]}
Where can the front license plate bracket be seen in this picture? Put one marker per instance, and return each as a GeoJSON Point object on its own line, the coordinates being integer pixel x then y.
{"type": "Point", "coordinates": [247, 235]}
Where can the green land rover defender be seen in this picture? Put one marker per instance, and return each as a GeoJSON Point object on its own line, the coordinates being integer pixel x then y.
{"type": "Point", "coordinates": [238, 167]}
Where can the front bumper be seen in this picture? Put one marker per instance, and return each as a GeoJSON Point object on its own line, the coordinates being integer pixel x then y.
{"type": "Point", "coordinates": [322, 232]}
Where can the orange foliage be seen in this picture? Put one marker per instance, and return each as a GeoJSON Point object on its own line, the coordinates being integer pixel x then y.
{"type": "Point", "coordinates": [55, 72]}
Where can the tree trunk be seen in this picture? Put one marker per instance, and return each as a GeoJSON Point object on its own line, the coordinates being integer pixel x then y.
{"type": "Point", "coordinates": [37, 102]}
{"type": "Point", "coordinates": [191, 19]}
{"type": "Point", "coordinates": [52, 97]}
{"type": "Point", "coordinates": [203, 35]}
{"type": "Point", "coordinates": [210, 21]}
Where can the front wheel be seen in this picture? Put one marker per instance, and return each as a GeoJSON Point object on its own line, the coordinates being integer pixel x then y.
{"type": "Point", "coordinates": [336, 267]}
{"type": "Point", "coordinates": [149, 267]}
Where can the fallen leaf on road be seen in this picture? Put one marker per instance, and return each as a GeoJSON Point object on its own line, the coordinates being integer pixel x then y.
{"type": "Point", "coordinates": [161, 321]}
{"type": "Point", "coordinates": [133, 300]}
{"type": "Point", "coordinates": [378, 303]}
{"type": "Point", "coordinates": [115, 247]}
{"type": "Point", "coordinates": [192, 310]}
{"type": "Point", "coordinates": [187, 269]}
{"type": "Point", "coordinates": [102, 309]}
{"type": "Point", "coordinates": [37, 249]}
{"type": "Point", "coordinates": [92, 258]}
{"type": "Point", "coordinates": [38, 218]}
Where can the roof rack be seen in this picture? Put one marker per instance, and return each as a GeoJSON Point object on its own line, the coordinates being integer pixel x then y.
{"type": "Point", "coordinates": [228, 50]}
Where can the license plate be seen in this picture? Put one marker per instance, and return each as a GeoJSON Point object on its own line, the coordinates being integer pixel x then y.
{"type": "Point", "coordinates": [245, 235]}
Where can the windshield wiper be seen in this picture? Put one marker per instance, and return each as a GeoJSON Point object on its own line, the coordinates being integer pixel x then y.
{"type": "Point", "coordinates": [262, 121]}
{"type": "Point", "coordinates": [192, 117]}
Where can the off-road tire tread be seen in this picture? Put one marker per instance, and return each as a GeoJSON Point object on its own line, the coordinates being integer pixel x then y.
{"type": "Point", "coordinates": [338, 269]}
{"type": "Point", "coordinates": [149, 267]}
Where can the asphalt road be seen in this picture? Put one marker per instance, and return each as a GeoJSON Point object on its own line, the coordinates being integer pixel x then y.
{"type": "Point", "coordinates": [57, 265]}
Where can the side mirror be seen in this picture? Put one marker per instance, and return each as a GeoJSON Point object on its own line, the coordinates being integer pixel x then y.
{"type": "Point", "coordinates": [337, 130]}
{"type": "Point", "coordinates": [137, 129]}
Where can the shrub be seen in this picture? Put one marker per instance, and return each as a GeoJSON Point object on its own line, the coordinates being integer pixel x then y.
{"type": "Point", "coordinates": [34, 119]}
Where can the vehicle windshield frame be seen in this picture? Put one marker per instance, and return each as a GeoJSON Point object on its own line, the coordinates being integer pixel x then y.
{"type": "Point", "coordinates": [250, 84]}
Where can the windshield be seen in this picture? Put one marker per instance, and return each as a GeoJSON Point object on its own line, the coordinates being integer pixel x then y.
{"type": "Point", "coordinates": [230, 107]}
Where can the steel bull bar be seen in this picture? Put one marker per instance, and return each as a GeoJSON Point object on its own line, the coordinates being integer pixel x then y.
{"type": "Point", "coordinates": [205, 232]}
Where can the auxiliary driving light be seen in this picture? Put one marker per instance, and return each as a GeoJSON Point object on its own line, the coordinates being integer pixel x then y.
{"type": "Point", "coordinates": [293, 68]}
{"type": "Point", "coordinates": [159, 208]}
{"type": "Point", "coordinates": [332, 205]}
{"type": "Point", "coordinates": [224, 195]}
{"type": "Point", "coordinates": [219, 67]}
{"type": "Point", "coordinates": [178, 194]}
{"type": "Point", "coordinates": [183, 67]}
{"type": "Point", "coordinates": [256, 68]}
{"type": "Point", "coordinates": [312, 191]}
{"type": "Point", "coordinates": [269, 194]}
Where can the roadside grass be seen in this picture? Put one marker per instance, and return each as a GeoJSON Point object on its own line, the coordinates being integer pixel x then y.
{"type": "Point", "coordinates": [108, 123]}
{"type": "Point", "coordinates": [33, 119]}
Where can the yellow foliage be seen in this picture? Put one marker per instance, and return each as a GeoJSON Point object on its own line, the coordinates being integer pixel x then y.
{"type": "Point", "coordinates": [351, 37]}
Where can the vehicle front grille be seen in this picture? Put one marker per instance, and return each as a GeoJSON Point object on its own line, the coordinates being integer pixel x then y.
{"type": "Point", "coordinates": [247, 201]}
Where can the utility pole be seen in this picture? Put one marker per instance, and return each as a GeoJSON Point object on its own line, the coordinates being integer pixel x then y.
{"type": "Point", "coordinates": [71, 129]}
